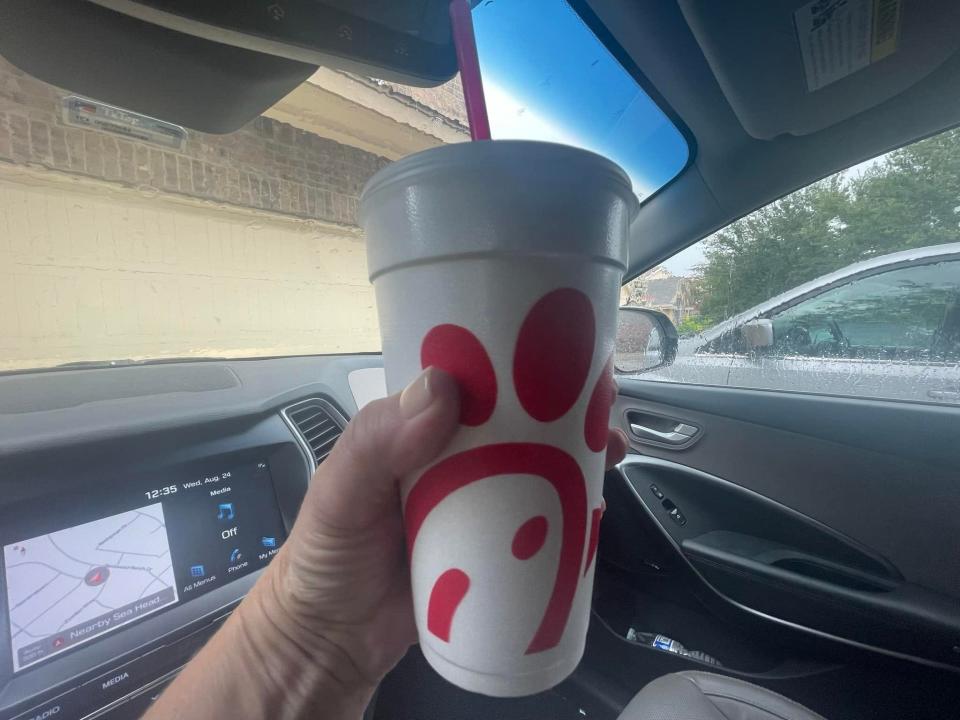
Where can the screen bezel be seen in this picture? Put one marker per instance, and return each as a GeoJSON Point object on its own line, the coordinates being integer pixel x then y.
{"type": "Point", "coordinates": [289, 470]}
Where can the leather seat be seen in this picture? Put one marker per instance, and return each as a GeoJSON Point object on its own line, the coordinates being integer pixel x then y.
{"type": "Point", "coordinates": [705, 696]}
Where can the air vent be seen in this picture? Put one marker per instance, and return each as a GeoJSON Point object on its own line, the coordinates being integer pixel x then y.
{"type": "Point", "coordinates": [317, 424]}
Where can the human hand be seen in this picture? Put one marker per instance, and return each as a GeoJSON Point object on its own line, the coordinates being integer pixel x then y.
{"type": "Point", "coordinates": [339, 589]}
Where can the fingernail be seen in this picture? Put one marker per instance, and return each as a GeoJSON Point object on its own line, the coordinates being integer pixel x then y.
{"type": "Point", "coordinates": [417, 396]}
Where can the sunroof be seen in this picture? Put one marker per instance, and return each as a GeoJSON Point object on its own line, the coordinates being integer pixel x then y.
{"type": "Point", "coordinates": [546, 76]}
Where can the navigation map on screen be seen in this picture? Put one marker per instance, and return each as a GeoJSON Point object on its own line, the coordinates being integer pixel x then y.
{"type": "Point", "coordinates": [73, 585]}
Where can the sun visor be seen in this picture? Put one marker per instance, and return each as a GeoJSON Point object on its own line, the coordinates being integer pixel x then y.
{"type": "Point", "coordinates": [796, 67]}
{"type": "Point", "coordinates": [214, 66]}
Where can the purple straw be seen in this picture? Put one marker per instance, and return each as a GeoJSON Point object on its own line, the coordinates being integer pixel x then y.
{"type": "Point", "coordinates": [465, 43]}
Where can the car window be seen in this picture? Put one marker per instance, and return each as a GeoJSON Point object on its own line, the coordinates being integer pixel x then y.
{"type": "Point", "coordinates": [128, 239]}
{"type": "Point", "coordinates": [898, 314]}
{"type": "Point", "coordinates": [849, 286]}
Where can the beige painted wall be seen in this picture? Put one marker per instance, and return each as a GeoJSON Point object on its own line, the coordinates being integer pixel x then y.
{"type": "Point", "coordinates": [90, 270]}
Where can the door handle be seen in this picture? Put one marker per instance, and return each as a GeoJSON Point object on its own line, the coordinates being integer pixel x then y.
{"type": "Point", "coordinates": [679, 435]}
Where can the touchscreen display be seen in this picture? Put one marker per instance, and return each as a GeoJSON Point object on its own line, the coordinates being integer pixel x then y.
{"type": "Point", "coordinates": [71, 584]}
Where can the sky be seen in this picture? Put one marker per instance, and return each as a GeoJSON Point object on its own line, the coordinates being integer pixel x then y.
{"type": "Point", "coordinates": [547, 77]}
{"type": "Point", "coordinates": [684, 262]}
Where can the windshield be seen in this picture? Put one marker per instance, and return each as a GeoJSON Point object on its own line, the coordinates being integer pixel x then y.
{"type": "Point", "coordinates": [127, 239]}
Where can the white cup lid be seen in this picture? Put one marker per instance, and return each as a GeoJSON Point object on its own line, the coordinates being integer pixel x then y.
{"type": "Point", "coordinates": [510, 197]}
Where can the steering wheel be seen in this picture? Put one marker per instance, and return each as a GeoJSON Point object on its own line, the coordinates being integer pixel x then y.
{"type": "Point", "coordinates": [842, 342]}
{"type": "Point", "coordinates": [797, 337]}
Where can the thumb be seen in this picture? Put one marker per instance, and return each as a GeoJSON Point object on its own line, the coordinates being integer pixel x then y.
{"type": "Point", "coordinates": [386, 440]}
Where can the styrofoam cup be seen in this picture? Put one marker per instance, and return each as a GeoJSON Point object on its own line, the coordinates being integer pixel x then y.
{"type": "Point", "coordinates": [501, 262]}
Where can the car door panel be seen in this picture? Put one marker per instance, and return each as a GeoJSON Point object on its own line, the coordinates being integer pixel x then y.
{"type": "Point", "coordinates": [829, 514]}
{"type": "Point", "coordinates": [878, 426]}
{"type": "Point", "coordinates": [644, 582]}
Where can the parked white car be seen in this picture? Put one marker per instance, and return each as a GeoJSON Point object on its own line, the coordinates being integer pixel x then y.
{"type": "Point", "coordinates": [887, 327]}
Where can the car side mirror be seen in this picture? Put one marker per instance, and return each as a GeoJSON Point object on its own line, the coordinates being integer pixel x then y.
{"type": "Point", "coordinates": [646, 340]}
{"type": "Point", "coordinates": [757, 333]}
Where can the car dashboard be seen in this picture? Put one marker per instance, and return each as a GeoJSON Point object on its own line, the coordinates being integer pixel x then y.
{"type": "Point", "coordinates": [138, 505]}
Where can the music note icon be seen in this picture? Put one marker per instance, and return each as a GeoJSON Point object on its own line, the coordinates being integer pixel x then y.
{"type": "Point", "coordinates": [225, 511]}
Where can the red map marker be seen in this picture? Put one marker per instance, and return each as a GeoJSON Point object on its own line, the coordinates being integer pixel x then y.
{"type": "Point", "coordinates": [97, 576]}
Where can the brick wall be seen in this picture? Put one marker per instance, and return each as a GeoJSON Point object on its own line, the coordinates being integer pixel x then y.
{"type": "Point", "coordinates": [240, 245]}
{"type": "Point", "coordinates": [266, 165]}
{"type": "Point", "coordinates": [446, 99]}
{"type": "Point", "coordinates": [90, 272]}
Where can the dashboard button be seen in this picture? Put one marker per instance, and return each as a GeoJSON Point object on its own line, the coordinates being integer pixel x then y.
{"type": "Point", "coordinates": [656, 492]}
{"type": "Point", "coordinates": [136, 705]}
{"type": "Point", "coordinates": [69, 705]}
{"type": "Point", "coordinates": [123, 680]}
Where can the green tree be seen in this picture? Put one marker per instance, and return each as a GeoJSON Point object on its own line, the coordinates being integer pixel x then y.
{"type": "Point", "coordinates": [910, 198]}
{"type": "Point", "coordinates": [691, 326]}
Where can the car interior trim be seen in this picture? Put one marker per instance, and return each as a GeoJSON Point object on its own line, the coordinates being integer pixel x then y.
{"type": "Point", "coordinates": [329, 408]}
{"type": "Point", "coordinates": [867, 423]}
{"type": "Point", "coordinates": [642, 461]}
{"type": "Point", "coordinates": [367, 385]}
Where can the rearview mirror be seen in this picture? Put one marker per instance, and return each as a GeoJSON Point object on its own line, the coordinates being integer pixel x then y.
{"type": "Point", "coordinates": [646, 340]}
{"type": "Point", "coordinates": [757, 333]}
{"type": "Point", "coordinates": [214, 66]}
